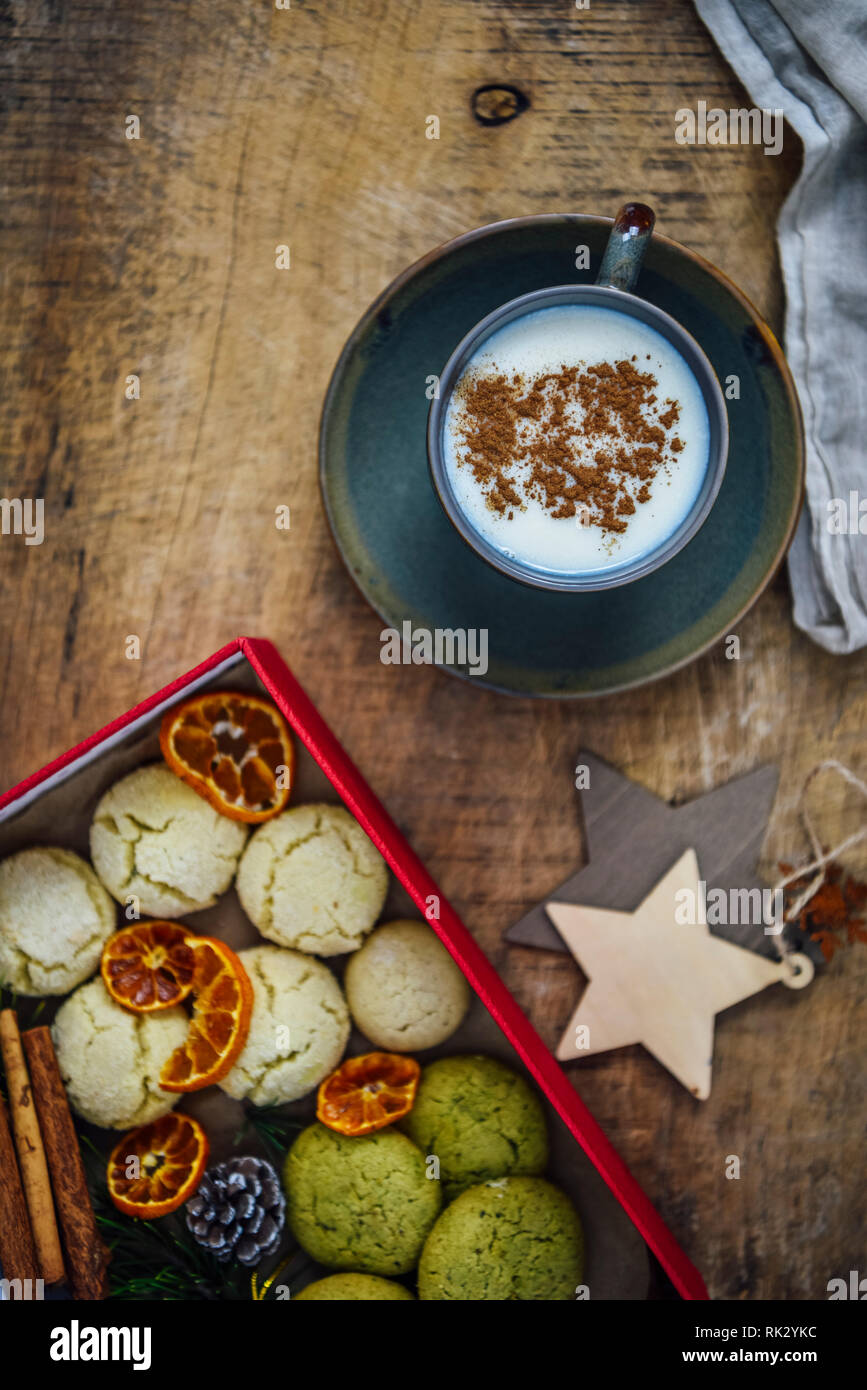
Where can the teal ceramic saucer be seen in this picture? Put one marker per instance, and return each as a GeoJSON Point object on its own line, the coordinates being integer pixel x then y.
{"type": "Point", "coordinates": [413, 567]}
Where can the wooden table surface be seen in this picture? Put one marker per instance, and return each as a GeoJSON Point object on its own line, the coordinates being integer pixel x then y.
{"type": "Point", "coordinates": [156, 257]}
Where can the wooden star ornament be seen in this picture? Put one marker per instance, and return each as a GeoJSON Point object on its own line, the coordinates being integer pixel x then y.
{"type": "Point", "coordinates": [658, 981]}
{"type": "Point", "coordinates": [631, 837]}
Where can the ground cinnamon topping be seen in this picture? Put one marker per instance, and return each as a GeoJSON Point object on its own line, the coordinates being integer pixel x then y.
{"type": "Point", "coordinates": [584, 441]}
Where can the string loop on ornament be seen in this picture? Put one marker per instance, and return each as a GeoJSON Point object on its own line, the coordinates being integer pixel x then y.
{"type": "Point", "coordinates": [798, 970]}
{"type": "Point", "coordinates": [820, 859]}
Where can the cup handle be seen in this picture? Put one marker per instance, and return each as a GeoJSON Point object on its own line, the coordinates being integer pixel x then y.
{"type": "Point", "coordinates": [629, 239]}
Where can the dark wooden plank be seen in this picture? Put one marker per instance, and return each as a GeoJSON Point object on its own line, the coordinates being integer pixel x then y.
{"type": "Point", "coordinates": [156, 257]}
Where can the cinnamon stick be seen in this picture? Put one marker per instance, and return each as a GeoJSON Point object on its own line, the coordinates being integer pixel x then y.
{"type": "Point", "coordinates": [17, 1251]}
{"type": "Point", "coordinates": [31, 1153]}
{"type": "Point", "coordinates": [86, 1256]}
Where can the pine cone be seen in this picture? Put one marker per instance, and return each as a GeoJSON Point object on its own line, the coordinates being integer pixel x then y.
{"type": "Point", "coordinates": [238, 1210]}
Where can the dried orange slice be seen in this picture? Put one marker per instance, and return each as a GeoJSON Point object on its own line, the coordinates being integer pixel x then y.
{"type": "Point", "coordinates": [154, 1169]}
{"type": "Point", "coordinates": [222, 1005]}
{"type": "Point", "coordinates": [368, 1093]}
{"type": "Point", "coordinates": [234, 749]}
{"type": "Point", "coordinates": [148, 966]}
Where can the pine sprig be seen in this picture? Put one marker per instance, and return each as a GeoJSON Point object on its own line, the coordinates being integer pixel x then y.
{"type": "Point", "coordinates": [26, 1007]}
{"type": "Point", "coordinates": [157, 1260]}
{"type": "Point", "coordinates": [274, 1127]}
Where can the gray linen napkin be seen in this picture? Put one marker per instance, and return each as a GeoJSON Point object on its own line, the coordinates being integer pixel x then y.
{"type": "Point", "coordinates": [809, 59]}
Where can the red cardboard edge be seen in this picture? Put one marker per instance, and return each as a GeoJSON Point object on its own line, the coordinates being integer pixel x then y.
{"type": "Point", "coordinates": [311, 728]}
{"type": "Point", "coordinates": [315, 734]}
{"type": "Point", "coordinates": [173, 688]}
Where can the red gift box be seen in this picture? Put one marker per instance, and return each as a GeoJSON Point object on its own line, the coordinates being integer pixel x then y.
{"type": "Point", "coordinates": [357, 796]}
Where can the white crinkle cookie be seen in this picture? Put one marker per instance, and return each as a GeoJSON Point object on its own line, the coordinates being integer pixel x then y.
{"type": "Point", "coordinates": [156, 839]}
{"type": "Point", "coordinates": [312, 880]}
{"type": "Point", "coordinates": [55, 917]}
{"type": "Point", "coordinates": [298, 1031]}
{"type": "Point", "coordinates": [110, 1058]}
{"type": "Point", "coordinates": [404, 990]}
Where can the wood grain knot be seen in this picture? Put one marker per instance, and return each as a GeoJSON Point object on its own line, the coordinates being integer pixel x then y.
{"type": "Point", "coordinates": [497, 103]}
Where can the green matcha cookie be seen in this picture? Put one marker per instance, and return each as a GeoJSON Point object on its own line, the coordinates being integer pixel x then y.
{"type": "Point", "coordinates": [363, 1204]}
{"type": "Point", "coordinates": [480, 1119]}
{"type": "Point", "coordinates": [513, 1238]}
{"type": "Point", "coordinates": [361, 1287]}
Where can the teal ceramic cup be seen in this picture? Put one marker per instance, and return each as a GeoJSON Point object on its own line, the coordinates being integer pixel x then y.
{"type": "Point", "coordinates": [618, 273]}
